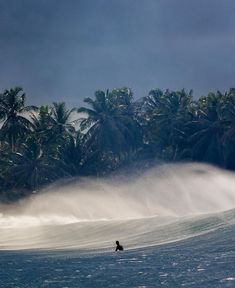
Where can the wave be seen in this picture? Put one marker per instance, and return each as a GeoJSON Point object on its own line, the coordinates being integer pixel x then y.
{"type": "Point", "coordinates": [135, 233]}
{"type": "Point", "coordinates": [165, 204]}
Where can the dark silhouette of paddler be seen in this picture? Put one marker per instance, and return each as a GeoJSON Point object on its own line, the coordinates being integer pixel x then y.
{"type": "Point", "coordinates": [119, 247]}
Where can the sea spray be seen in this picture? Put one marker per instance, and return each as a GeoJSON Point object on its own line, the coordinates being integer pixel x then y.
{"type": "Point", "coordinates": [159, 206]}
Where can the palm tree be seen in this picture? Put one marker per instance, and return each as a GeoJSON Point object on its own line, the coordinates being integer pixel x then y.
{"type": "Point", "coordinates": [42, 125]}
{"type": "Point", "coordinates": [54, 126]}
{"type": "Point", "coordinates": [210, 127]}
{"type": "Point", "coordinates": [44, 155]}
{"type": "Point", "coordinates": [61, 119]}
{"type": "Point", "coordinates": [166, 115]}
{"type": "Point", "coordinates": [32, 167]}
{"type": "Point", "coordinates": [70, 155]}
{"type": "Point", "coordinates": [5, 164]}
{"type": "Point", "coordinates": [13, 115]}
{"type": "Point", "coordinates": [228, 134]}
{"type": "Point", "coordinates": [109, 125]}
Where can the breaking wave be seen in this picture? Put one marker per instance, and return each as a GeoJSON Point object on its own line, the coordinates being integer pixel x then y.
{"type": "Point", "coordinates": [165, 204]}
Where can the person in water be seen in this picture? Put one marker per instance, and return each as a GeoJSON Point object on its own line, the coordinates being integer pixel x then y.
{"type": "Point", "coordinates": [118, 247]}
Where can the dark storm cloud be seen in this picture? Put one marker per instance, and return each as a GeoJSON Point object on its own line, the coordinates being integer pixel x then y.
{"type": "Point", "coordinates": [65, 50]}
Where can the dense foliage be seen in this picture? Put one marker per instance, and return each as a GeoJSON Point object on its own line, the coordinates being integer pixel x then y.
{"type": "Point", "coordinates": [39, 145]}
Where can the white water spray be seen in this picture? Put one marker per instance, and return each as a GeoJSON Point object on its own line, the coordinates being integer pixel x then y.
{"type": "Point", "coordinates": [97, 210]}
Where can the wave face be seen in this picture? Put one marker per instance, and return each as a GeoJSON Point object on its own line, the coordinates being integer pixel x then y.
{"type": "Point", "coordinates": [165, 204]}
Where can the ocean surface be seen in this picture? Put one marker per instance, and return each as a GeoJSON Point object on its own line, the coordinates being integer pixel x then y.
{"type": "Point", "coordinates": [177, 232]}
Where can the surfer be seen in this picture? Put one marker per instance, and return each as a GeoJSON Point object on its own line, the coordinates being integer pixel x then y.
{"type": "Point", "coordinates": [118, 247]}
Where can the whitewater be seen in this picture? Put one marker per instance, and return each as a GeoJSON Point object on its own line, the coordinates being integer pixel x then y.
{"type": "Point", "coordinates": [176, 223]}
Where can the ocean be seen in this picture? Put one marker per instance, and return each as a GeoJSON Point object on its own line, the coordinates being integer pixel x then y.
{"type": "Point", "coordinates": [176, 223]}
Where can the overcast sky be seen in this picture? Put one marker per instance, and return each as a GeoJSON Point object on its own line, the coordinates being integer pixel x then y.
{"type": "Point", "coordinates": [64, 50]}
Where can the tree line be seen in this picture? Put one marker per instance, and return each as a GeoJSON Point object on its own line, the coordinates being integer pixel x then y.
{"type": "Point", "coordinates": [39, 145]}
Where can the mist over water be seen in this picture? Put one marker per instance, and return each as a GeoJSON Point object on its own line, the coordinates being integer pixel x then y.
{"type": "Point", "coordinates": [165, 203]}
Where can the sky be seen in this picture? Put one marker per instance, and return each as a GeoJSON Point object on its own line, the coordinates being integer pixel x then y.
{"type": "Point", "coordinates": [65, 50]}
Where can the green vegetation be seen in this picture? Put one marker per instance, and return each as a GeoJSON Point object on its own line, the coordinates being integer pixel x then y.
{"type": "Point", "coordinates": [39, 145]}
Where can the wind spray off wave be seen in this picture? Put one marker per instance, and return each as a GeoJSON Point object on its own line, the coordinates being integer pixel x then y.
{"type": "Point", "coordinates": [164, 204]}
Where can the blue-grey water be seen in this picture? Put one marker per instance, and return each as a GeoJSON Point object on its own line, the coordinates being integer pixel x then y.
{"type": "Point", "coordinates": [202, 261]}
{"type": "Point", "coordinates": [177, 231]}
